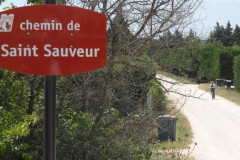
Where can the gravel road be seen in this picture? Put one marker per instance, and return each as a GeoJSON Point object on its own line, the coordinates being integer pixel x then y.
{"type": "Point", "coordinates": [215, 123]}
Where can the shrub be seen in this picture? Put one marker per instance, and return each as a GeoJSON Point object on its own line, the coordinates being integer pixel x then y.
{"type": "Point", "coordinates": [76, 138]}
{"type": "Point", "coordinates": [226, 57]}
{"type": "Point", "coordinates": [205, 62]}
{"type": "Point", "coordinates": [157, 97]}
{"type": "Point", "coordinates": [236, 70]}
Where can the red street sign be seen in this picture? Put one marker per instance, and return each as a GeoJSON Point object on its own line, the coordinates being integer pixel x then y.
{"type": "Point", "coordinates": [52, 40]}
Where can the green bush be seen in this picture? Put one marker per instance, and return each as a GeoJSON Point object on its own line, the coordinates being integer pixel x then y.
{"type": "Point", "coordinates": [205, 62]}
{"type": "Point", "coordinates": [180, 61]}
{"type": "Point", "coordinates": [132, 83]}
{"type": "Point", "coordinates": [236, 70]}
{"type": "Point", "coordinates": [207, 56]}
{"type": "Point", "coordinates": [226, 57]}
{"type": "Point", "coordinates": [76, 138]}
{"type": "Point", "coordinates": [17, 119]}
{"type": "Point", "coordinates": [157, 97]}
{"type": "Point", "coordinates": [216, 61]}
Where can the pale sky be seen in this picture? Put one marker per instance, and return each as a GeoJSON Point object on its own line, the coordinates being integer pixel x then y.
{"type": "Point", "coordinates": [210, 12]}
{"type": "Point", "coordinates": [219, 11]}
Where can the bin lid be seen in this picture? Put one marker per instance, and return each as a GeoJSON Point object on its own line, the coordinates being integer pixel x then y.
{"type": "Point", "coordinates": [167, 117]}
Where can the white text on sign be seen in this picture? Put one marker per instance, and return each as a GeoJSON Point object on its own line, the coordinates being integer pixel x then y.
{"type": "Point", "coordinates": [31, 51]}
{"type": "Point", "coordinates": [48, 26]}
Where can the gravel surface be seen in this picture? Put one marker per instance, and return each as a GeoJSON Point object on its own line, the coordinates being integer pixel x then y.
{"type": "Point", "coordinates": [215, 123]}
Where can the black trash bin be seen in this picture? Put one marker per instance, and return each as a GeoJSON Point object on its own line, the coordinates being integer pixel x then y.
{"type": "Point", "coordinates": [220, 82]}
{"type": "Point", "coordinates": [166, 127]}
{"type": "Point", "coordinates": [228, 83]}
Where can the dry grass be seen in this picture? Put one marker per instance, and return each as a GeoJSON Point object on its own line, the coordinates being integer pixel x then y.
{"type": "Point", "coordinates": [226, 93]}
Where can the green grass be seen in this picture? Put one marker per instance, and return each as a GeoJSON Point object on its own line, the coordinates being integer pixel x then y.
{"type": "Point", "coordinates": [226, 93]}
{"type": "Point", "coordinates": [182, 79]}
{"type": "Point", "coordinates": [184, 137]}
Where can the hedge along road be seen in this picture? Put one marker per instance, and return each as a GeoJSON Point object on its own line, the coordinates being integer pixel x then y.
{"type": "Point", "coordinates": [215, 123]}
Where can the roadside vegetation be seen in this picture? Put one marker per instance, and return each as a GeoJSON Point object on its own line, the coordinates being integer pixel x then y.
{"type": "Point", "coordinates": [179, 148]}
{"type": "Point", "coordinates": [204, 61]}
{"type": "Point", "coordinates": [201, 62]}
{"type": "Point", "coordinates": [227, 93]}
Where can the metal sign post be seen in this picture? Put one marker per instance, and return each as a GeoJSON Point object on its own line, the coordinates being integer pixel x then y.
{"type": "Point", "coordinates": [50, 118]}
{"type": "Point", "coordinates": [50, 113]}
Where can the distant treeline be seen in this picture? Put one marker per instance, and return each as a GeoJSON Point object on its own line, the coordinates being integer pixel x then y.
{"type": "Point", "coordinates": [225, 35]}
{"type": "Point", "coordinates": [218, 58]}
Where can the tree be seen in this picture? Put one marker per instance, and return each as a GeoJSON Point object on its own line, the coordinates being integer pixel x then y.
{"type": "Point", "coordinates": [228, 35]}
{"type": "Point", "coordinates": [236, 35]}
{"type": "Point", "coordinates": [116, 35]}
{"type": "Point", "coordinates": [192, 37]}
{"type": "Point", "coordinates": [211, 38]}
{"type": "Point", "coordinates": [167, 39]}
{"type": "Point", "coordinates": [123, 85]}
{"type": "Point", "coordinates": [178, 37]}
{"type": "Point", "coordinates": [219, 33]}
{"type": "Point", "coordinates": [20, 98]}
{"type": "Point", "coordinates": [35, 2]}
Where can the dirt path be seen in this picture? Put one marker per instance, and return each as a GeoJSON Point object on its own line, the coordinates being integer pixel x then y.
{"type": "Point", "coordinates": [215, 123]}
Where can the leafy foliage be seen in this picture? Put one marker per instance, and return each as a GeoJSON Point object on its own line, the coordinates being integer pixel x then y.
{"type": "Point", "coordinates": [236, 70]}
{"type": "Point", "coordinates": [17, 117]}
{"type": "Point", "coordinates": [10, 7]}
{"type": "Point", "coordinates": [158, 100]}
{"type": "Point", "coordinates": [35, 2]}
{"type": "Point", "coordinates": [236, 35]}
{"type": "Point", "coordinates": [77, 140]}
{"type": "Point", "coordinates": [204, 62]}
